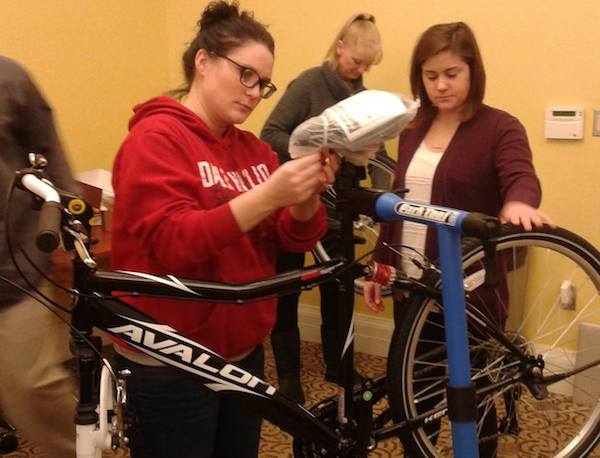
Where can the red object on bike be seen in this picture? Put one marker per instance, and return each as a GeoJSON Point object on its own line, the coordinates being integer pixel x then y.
{"type": "Point", "coordinates": [383, 274]}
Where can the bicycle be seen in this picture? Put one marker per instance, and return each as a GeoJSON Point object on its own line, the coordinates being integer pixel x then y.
{"type": "Point", "coordinates": [509, 369]}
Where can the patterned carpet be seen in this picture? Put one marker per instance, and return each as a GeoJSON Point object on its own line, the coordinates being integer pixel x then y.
{"type": "Point", "coordinates": [277, 444]}
{"type": "Point", "coordinates": [274, 442]}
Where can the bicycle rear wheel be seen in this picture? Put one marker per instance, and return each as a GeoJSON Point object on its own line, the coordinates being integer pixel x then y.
{"type": "Point", "coordinates": [525, 420]}
{"type": "Point", "coordinates": [381, 172]}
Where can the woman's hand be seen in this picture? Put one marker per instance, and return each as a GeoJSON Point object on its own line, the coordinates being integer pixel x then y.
{"type": "Point", "coordinates": [372, 295]}
{"type": "Point", "coordinates": [520, 213]}
{"type": "Point", "coordinates": [296, 184]}
{"type": "Point", "coordinates": [296, 181]}
{"type": "Point", "coordinates": [330, 163]}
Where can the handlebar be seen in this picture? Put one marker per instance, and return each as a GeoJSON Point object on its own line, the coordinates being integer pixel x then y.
{"type": "Point", "coordinates": [49, 222]}
{"type": "Point", "coordinates": [55, 220]}
{"type": "Point", "coordinates": [365, 201]}
{"type": "Point", "coordinates": [388, 206]}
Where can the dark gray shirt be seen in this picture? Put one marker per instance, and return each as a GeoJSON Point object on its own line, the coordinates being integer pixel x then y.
{"type": "Point", "coordinates": [313, 91]}
{"type": "Point", "coordinates": [26, 125]}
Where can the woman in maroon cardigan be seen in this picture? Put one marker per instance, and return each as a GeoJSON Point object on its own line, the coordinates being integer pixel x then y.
{"type": "Point", "coordinates": [458, 153]}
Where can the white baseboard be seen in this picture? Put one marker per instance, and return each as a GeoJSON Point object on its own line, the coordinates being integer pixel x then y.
{"type": "Point", "coordinates": [372, 334]}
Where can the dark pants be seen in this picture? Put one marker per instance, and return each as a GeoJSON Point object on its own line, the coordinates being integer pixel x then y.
{"type": "Point", "coordinates": [287, 312]}
{"type": "Point", "coordinates": [174, 415]}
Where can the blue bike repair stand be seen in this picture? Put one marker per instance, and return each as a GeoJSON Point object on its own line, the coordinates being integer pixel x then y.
{"type": "Point", "coordinates": [462, 399]}
{"type": "Point", "coordinates": [464, 433]}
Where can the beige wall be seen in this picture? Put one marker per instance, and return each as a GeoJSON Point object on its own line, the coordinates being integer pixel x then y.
{"type": "Point", "coordinates": [95, 60]}
{"type": "Point", "coordinates": [537, 54]}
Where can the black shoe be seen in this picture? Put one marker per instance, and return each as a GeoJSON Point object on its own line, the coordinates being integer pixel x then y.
{"type": "Point", "coordinates": [292, 388]}
{"type": "Point", "coordinates": [286, 350]}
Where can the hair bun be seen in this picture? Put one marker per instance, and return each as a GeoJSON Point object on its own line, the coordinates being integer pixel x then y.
{"type": "Point", "coordinates": [216, 12]}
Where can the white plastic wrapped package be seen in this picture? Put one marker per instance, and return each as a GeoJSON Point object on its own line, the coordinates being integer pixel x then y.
{"type": "Point", "coordinates": [356, 126]}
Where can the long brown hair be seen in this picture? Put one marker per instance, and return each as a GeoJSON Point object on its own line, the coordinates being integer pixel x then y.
{"type": "Point", "coordinates": [458, 38]}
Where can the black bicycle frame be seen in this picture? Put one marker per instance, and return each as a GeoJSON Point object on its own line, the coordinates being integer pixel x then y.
{"type": "Point", "coordinates": [96, 307]}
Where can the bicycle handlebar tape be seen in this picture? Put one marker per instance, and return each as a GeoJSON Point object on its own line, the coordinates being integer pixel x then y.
{"type": "Point", "coordinates": [48, 234]}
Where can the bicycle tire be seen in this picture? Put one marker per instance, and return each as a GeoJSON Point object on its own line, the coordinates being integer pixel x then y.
{"type": "Point", "coordinates": [543, 258]}
{"type": "Point", "coordinates": [364, 228]}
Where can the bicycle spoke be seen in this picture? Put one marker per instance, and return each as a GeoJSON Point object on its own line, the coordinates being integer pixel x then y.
{"type": "Point", "coordinates": [528, 306]}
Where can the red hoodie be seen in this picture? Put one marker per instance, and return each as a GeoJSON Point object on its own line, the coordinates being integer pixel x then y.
{"type": "Point", "coordinates": [173, 179]}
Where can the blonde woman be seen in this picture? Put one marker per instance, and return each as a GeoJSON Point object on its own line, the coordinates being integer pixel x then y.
{"type": "Point", "coordinates": [356, 47]}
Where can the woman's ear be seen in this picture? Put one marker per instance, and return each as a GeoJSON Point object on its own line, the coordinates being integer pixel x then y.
{"type": "Point", "coordinates": [201, 60]}
{"type": "Point", "coordinates": [339, 47]}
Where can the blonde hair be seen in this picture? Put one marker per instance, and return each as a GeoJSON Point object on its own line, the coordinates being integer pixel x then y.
{"type": "Point", "coordinates": [359, 30]}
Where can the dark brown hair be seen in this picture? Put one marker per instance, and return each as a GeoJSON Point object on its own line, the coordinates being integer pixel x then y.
{"type": "Point", "coordinates": [221, 28]}
{"type": "Point", "coordinates": [456, 37]}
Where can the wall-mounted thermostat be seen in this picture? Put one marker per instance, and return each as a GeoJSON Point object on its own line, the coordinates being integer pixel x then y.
{"type": "Point", "coordinates": [564, 122]}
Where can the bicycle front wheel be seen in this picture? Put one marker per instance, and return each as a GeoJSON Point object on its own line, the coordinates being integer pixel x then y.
{"type": "Point", "coordinates": [549, 307]}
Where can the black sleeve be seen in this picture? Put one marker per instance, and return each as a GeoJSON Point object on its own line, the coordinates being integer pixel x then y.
{"type": "Point", "coordinates": [380, 179]}
{"type": "Point", "coordinates": [39, 134]}
{"type": "Point", "coordinates": [292, 109]}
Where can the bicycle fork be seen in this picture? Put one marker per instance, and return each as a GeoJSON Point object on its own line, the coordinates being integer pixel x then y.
{"type": "Point", "coordinates": [98, 421]}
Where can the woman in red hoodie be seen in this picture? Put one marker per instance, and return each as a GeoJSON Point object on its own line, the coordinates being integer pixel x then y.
{"type": "Point", "coordinates": [199, 198]}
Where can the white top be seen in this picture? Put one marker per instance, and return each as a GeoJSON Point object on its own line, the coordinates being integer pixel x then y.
{"type": "Point", "coordinates": [419, 178]}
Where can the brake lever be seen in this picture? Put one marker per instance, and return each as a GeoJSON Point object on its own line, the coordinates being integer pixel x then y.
{"type": "Point", "coordinates": [79, 241]}
{"type": "Point", "coordinates": [37, 161]}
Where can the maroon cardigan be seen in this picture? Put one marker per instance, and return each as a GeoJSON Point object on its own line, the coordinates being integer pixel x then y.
{"type": "Point", "coordinates": [487, 163]}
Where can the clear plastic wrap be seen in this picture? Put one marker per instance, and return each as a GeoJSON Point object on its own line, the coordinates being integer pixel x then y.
{"type": "Point", "coordinates": [356, 126]}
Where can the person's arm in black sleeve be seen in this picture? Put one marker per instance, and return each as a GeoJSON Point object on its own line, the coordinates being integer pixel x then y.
{"type": "Point", "coordinates": [292, 109]}
{"type": "Point", "coordinates": [380, 179]}
{"type": "Point", "coordinates": [39, 135]}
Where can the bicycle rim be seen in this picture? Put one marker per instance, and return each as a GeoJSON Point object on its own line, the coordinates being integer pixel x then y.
{"type": "Point", "coordinates": [565, 421]}
{"type": "Point", "coordinates": [381, 169]}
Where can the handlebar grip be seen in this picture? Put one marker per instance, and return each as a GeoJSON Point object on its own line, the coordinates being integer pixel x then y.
{"type": "Point", "coordinates": [485, 228]}
{"type": "Point", "coordinates": [482, 226]}
{"type": "Point", "coordinates": [48, 233]}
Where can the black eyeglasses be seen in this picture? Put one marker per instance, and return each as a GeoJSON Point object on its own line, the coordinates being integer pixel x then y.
{"type": "Point", "coordinates": [250, 79]}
